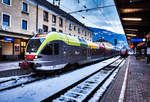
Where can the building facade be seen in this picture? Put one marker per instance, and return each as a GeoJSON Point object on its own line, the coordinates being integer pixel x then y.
{"type": "Point", "coordinates": [20, 19]}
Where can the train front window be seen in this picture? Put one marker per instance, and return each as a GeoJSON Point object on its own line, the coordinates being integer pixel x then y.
{"type": "Point", "coordinates": [34, 44]}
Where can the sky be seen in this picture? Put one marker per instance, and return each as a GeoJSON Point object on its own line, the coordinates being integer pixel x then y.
{"type": "Point", "coordinates": [104, 18]}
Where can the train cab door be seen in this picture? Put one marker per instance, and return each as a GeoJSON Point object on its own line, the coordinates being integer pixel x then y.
{"type": "Point", "coordinates": [56, 50]}
{"type": "Point", "coordinates": [51, 51]}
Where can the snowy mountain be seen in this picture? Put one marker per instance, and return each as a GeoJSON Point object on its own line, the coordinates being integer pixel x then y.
{"type": "Point", "coordinates": [108, 36]}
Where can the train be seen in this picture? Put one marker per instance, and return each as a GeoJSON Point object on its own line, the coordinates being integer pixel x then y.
{"type": "Point", "coordinates": [55, 51]}
{"type": "Point", "coordinates": [124, 52]}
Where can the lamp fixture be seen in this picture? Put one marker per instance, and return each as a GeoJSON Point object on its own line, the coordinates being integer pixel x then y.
{"type": "Point", "coordinates": [132, 19]}
{"type": "Point", "coordinates": [130, 10]}
{"type": "Point", "coordinates": [132, 29]}
{"type": "Point", "coordinates": [132, 35]}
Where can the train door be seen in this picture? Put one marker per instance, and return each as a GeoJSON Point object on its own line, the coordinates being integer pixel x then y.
{"type": "Point", "coordinates": [88, 53]}
{"type": "Point", "coordinates": [51, 51]}
{"type": "Point", "coordinates": [55, 46]}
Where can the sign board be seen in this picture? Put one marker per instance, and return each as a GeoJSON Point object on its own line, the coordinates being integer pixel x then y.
{"type": "Point", "coordinates": [138, 40]}
{"type": "Point", "coordinates": [8, 39]}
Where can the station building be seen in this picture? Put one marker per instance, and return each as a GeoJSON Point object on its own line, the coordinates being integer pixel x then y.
{"type": "Point", "coordinates": [21, 19]}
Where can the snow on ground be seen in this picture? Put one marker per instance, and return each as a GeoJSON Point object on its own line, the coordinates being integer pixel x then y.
{"type": "Point", "coordinates": [37, 91]}
{"type": "Point", "coordinates": [101, 91]}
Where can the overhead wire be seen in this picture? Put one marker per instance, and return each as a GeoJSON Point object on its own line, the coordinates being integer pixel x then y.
{"type": "Point", "coordinates": [96, 2]}
{"type": "Point", "coordinates": [89, 9]}
{"type": "Point", "coordinates": [99, 10]}
{"type": "Point", "coordinates": [81, 16]}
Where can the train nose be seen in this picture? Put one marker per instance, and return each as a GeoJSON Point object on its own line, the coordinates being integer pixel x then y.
{"type": "Point", "coordinates": [25, 65]}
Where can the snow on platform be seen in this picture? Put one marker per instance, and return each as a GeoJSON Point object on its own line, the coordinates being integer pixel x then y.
{"type": "Point", "coordinates": [9, 65]}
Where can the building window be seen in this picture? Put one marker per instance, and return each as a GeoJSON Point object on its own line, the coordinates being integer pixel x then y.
{"type": "Point", "coordinates": [90, 34]}
{"type": "Point", "coordinates": [82, 31]}
{"type": "Point", "coordinates": [60, 31]}
{"type": "Point", "coordinates": [78, 30]}
{"type": "Point", "coordinates": [60, 22]}
{"type": "Point", "coordinates": [45, 16]}
{"type": "Point", "coordinates": [74, 28]}
{"type": "Point", "coordinates": [8, 2]}
{"type": "Point", "coordinates": [6, 20]}
{"type": "Point", "coordinates": [24, 24]}
{"type": "Point", "coordinates": [53, 29]}
{"type": "Point", "coordinates": [24, 7]}
{"type": "Point", "coordinates": [70, 26]}
{"type": "Point", "coordinates": [85, 33]}
{"type": "Point", "coordinates": [53, 18]}
{"type": "Point", "coordinates": [45, 28]}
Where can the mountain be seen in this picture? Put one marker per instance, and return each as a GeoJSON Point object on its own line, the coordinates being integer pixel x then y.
{"type": "Point", "coordinates": [109, 36]}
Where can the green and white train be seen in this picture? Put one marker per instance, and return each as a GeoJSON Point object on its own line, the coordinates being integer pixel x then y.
{"type": "Point", "coordinates": [53, 51]}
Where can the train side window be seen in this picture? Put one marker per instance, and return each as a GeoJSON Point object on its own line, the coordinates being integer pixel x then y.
{"type": "Point", "coordinates": [56, 48]}
{"type": "Point", "coordinates": [48, 50]}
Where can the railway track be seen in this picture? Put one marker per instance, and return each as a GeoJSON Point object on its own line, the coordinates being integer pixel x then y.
{"type": "Point", "coordinates": [14, 82]}
{"type": "Point", "coordinates": [84, 90]}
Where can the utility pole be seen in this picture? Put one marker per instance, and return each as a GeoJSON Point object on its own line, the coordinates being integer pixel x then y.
{"type": "Point", "coordinates": [37, 13]}
{"type": "Point", "coordinates": [78, 1]}
{"type": "Point", "coordinates": [53, 2]}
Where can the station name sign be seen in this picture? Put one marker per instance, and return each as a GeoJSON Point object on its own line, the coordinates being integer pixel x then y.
{"type": "Point", "coordinates": [138, 40]}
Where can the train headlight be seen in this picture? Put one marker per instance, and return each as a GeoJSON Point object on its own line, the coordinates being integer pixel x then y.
{"type": "Point", "coordinates": [36, 57]}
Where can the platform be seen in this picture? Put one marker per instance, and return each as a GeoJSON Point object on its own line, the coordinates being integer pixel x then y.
{"type": "Point", "coordinates": [12, 68]}
{"type": "Point", "coordinates": [136, 86]}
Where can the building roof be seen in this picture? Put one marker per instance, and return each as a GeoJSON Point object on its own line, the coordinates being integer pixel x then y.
{"type": "Point", "coordinates": [59, 11]}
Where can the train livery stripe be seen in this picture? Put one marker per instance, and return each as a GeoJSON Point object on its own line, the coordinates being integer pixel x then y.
{"type": "Point", "coordinates": [83, 43]}
{"type": "Point", "coordinates": [62, 37]}
{"type": "Point", "coordinates": [71, 40]}
{"type": "Point", "coordinates": [92, 45]}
